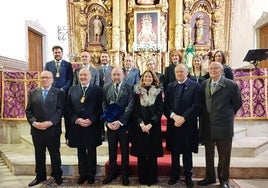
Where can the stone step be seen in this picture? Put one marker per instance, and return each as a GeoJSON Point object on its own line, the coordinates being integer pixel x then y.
{"type": "Point", "coordinates": [20, 160]}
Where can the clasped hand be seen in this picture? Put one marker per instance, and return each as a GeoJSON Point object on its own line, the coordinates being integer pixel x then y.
{"type": "Point", "coordinates": [114, 125]}
{"type": "Point", "coordinates": [179, 120]}
{"type": "Point", "coordinates": [42, 125]}
{"type": "Point", "coordinates": [146, 128]}
{"type": "Point", "coordinates": [83, 122]}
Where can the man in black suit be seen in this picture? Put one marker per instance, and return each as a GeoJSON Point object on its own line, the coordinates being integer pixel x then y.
{"type": "Point", "coordinates": [44, 110]}
{"type": "Point", "coordinates": [84, 105]}
{"type": "Point", "coordinates": [132, 74]}
{"type": "Point", "coordinates": [182, 105]}
{"type": "Point", "coordinates": [221, 100]}
{"type": "Point", "coordinates": [95, 77]}
{"type": "Point", "coordinates": [121, 93]}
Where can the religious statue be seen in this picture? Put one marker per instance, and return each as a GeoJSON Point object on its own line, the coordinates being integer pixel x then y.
{"type": "Point", "coordinates": [147, 33]}
{"type": "Point", "coordinates": [98, 27]}
{"type": "Point", "coordinates": [199, 30]}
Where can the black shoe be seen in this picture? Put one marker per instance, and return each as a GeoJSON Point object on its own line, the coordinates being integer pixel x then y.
{"type": "Point", "coordinates": [172, 181]}
{"type": "Point", "coordinates": [108, 179]}
{"type": "Point", "coordinates": [189, 182]}
{"type": "Point", "coordinates": [151, 182]}
{"type": "Point", "coordinates": [58, 181]}
{"type": "Point", "coordinates": [81, 180]}
{"type": "Point", "coordinates": [225, 185]}
{"type": "Point", "coordinates": [36, 181]}
{"type": "Point", "coordinates": [205, 182]}
{"type": "Point", "coordinates": [125, 181]}
{"type": "Point", "coordinates": [91, 180]}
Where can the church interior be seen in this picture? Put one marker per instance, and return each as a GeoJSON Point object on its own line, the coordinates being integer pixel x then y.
{"type": "Point", "coordinates": [145, 29]}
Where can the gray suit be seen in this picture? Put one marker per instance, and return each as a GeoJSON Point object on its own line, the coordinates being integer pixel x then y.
{"type": "Point", "coordinates": [126, 100]}
{"type": "Point", "coordinates": [217, 124]}
{"type": "Point", "coordinates": [105, 76]}
{"type": "Point", "coordinates": [95, 77]}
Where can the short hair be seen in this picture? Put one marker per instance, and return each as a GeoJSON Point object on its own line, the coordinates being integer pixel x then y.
{"type": "Point", "coordinates": [57, 47]}
{"type": "Point", "coordinates": [105, 52]}
{"type": "Point", "coordinates": [183, 64]}
{"type": "Point", "coordinates": [155, 78]}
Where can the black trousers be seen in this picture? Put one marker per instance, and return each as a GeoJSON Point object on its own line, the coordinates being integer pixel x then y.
{"type": "Point", "coordinates": [147, 170]}
{"type": "Point", "coordinates": [87, 162]}
{"type": "Point", "coordinates": [224, 148]}
{"type": "Point", "coordinates": [52, 143]}
{"type": "Point", "coordinates": [187, 160]}
{"type": "Point", "coordinates": [115, 137]}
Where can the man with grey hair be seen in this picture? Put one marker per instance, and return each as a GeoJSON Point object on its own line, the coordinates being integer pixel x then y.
{"type": "Point", "coordinates": [221, 100]}
{"type": "Point", "coordinates": [181, 107]}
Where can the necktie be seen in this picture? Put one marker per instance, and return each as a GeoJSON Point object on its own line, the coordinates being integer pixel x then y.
{"type": "Point", "coordinates": [44, 94]}
{"type": "Point", "coordinates": [116, 90]}
{"type": "Point", "coordinates": [213, 87]}
{"type": "Point", "coordinates": [104, 70]}
{"type": "Point", "coordinates": [84, 89]}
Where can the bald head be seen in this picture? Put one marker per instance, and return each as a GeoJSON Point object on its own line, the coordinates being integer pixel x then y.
{"type": "Point", "coordinates": [117, 74]}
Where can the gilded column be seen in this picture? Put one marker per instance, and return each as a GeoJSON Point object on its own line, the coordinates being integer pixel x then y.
{"type": "Point", "coordinates": [172, 21]}
{"type": "Point", "coordinates": [123, 26]}
{"type": "Point", "coordinates": [116, 22]}
{"type": "Point", "coordinates": [178, 24]}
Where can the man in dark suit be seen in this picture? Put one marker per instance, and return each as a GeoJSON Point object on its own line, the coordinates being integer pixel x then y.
{"type": "Point", "coordinates": [221, 101]}
{"type": "Point", "coordinates": [175, 58]}
{"type": "Point", "coordinates": [44, 110]}
{"type": "Point", "coordinates": [62, 70]}
{"type": "Point", "coordinates": [84, 105]}
{"type": "Point", "coordinates": [132, 75]}
{"type": "Point", "coordinates": [182, 105]}
{"type": "Point", "coordinates": [106, 69]}
{"type": "Point", "coordinates": [95, 77]}
{"type": "Point", "coordinates": [121, 93]}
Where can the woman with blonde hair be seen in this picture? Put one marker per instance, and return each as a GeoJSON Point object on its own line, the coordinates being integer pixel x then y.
{"type": "Point", "coordinates": [146, 130]}
{"type": "Point", "coordinates": [198, 74]}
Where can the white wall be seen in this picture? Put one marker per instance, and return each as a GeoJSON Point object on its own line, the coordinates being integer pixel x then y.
{"type": "Point", "coordinates": [245, 15]}
{"type": "Point", "coordinates": [14, 14]}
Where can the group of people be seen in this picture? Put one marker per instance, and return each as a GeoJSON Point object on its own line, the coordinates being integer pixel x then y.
{"type": "Point", "coordinates": [129, 106]}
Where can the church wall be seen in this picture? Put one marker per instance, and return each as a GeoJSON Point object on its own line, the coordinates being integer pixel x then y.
{"type": "Point", "coordinates": [245, 15]}
{"type": "Point", "coordinates": [42, 15]}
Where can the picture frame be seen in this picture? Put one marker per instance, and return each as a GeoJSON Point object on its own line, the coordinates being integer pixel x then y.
{"type": "Point", "coordinates": [146, 30]}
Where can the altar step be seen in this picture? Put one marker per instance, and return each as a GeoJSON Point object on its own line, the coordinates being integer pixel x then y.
{"type": "Point", "coordinates": [249, 158]}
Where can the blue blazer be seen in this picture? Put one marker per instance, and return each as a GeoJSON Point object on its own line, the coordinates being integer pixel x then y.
{"type": "Point", "coordinates": [133, 76]}
{"type": "Point", "coordinates": [65, 80]}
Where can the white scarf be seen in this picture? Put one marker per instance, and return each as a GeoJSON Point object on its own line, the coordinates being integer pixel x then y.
{"type": "Point", "coordinates": [147, 98]}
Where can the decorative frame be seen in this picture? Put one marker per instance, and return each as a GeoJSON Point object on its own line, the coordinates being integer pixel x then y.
{"type": "Point", "coordinates": [147, 30]}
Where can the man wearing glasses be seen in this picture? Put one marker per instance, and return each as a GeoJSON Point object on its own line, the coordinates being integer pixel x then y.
{"type": "Point", "coordinates": [43, 112]}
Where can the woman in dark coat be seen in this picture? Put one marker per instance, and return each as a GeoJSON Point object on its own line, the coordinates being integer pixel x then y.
{"type": "Point", "coordinates": [219, 56]}
{"type": "Point", "coordinates": [146, 131]}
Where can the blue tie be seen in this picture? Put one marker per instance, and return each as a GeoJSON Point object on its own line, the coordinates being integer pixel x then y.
{"type": "Point", "coordinates": [44, 94]}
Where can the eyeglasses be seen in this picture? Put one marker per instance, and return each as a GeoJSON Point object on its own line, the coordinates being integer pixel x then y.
{"type": "Point", "coordinates": [45, 77]}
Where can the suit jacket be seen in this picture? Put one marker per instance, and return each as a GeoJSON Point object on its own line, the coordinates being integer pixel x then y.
{"type": "Point", "coordinates": [161, 78]}
{"type": "Point", "coordinates": [105, 77]}
{"type": "Point", "coordinates": [95, 77]}
{"type": "Point", "coordinates": [185, 100]}
{"type": "Point", "coordinates": [65, 80]}
{"type": "Point", "coordinates": [125, 99]}
{"type": "Point", "coordinates": [219, 109]}
{"type": "Point", "coordinates": [50, 110]}
{"type": "Point", "coordinates": [133, 76]}
{"type": "Point", "coordinates": [84, 137]}
{"type": "Point", "coordinates": [169, 75]}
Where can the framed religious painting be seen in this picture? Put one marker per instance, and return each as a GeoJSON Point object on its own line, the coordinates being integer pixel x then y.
{"type": "Point", "coordinates": [146, 30]}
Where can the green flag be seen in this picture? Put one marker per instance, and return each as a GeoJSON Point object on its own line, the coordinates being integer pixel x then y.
{"type": "Point", "coordinates": [189, 55]}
